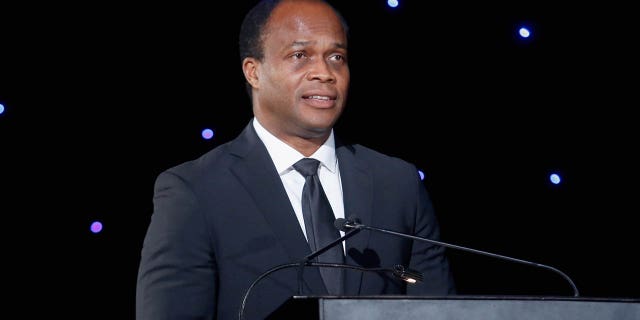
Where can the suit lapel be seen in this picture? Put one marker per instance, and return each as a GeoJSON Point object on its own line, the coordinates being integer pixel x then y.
{"type": "Point", "coordinates": [256, 172]}
{"type": "Point", "coordinates": [357, 186]}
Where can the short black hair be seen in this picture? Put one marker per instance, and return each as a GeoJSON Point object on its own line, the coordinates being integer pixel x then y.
{"type": "Point", "coordinates": [252, 28]}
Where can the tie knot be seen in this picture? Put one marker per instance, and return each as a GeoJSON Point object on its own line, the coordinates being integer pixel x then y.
{"type": "Point", "coordinates": [307, 166]}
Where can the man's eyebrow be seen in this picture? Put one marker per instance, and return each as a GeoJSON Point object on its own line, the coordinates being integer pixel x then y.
{"type": "Point", "coordinates": [304, 43]}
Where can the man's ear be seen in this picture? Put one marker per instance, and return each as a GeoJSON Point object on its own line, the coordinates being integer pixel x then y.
{"type": "Point", "coordinates": [250, 70]}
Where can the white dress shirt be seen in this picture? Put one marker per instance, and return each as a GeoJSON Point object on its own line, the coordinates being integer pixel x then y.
{"type": "Point", "coordinates": [284, 156]}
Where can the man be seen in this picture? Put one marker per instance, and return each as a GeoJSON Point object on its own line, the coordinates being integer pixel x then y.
{"type": "Point", "coordinates": [224, 219]}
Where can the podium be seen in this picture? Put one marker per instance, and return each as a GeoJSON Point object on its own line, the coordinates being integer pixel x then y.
{"type": "Point", "coordinates": [457, 307]}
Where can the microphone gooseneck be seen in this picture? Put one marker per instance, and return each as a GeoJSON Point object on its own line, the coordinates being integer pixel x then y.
{"type": "Point", "coordinates": [397, 270]}
{"type": "Point", "coordinates": [353, 224]}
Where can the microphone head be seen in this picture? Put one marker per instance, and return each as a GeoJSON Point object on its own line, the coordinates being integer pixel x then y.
{"type": "Point", "coordinates": [406, 274]}
{"type": "Point", "coordinates": [340, 224]}
{"type": "Point", "coordinates": [346, 224]}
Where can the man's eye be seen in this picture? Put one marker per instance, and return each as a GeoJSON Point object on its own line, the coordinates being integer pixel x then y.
{"type": "Point", "coordinates": [338, 57]}
{"type": "Point", "coordinates": [298, 55]}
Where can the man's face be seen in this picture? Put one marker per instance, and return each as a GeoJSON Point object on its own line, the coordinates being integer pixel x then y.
{"type": "Point", "coordinates": [303, 80]}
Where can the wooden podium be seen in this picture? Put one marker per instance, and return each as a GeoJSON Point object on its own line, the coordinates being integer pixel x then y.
{"type": "Point", "coordinates": [457, 307]}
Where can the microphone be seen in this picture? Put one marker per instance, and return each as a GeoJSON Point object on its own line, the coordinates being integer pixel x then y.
{"type": "Point", "coordinates": [399, 271]}
{"type": "Point", "coordinates": [353, 224]}
{"type": "Point", "coordinates": [406, 274]}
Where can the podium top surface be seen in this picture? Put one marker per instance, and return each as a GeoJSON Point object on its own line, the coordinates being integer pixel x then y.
{"type": "Point", "coordinates": [473, 297]}
{"type": "Point", "coordinates": [460, 307]}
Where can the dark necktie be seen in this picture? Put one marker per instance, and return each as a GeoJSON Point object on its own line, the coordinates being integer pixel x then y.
{"type": "Point", "coordinates": [319, 223]}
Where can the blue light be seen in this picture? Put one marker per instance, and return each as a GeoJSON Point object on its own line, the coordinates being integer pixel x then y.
{"type": "Point", "coordinates": [207, 134]}
{"type": "Point", "coordinates": [96, 227]}
{"type": "Point", "coordinates": [524, 32]}
{"type": "Point", "coordinates": [393, 3]}
{"type": "Point", "coordinates": [555, 178]}
{"type": "Point", "coordinates": [421, 174]}
{"type": "Point", "coordinates": [1, 108]}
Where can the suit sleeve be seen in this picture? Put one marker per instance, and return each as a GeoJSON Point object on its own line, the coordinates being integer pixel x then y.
{"type": "Point", "coordinates": [430, 259]}
{"type": "Point", "coordinates": [177, 271]}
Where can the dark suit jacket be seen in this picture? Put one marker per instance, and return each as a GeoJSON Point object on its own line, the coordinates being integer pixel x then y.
{"type": "Point", "coordinates": [222, 220]}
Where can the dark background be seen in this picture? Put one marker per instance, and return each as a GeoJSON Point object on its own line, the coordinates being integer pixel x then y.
{"type": "Point", "coordinates": [100, 98]}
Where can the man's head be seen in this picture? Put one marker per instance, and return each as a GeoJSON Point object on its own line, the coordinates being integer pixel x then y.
{"type": "Point", "coordinates": [250, 39]}
{"type": "Point", "coordinates": [294, 58]}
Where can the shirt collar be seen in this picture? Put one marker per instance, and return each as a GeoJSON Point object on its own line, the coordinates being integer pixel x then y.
{"type": "Point", "coordinates": [284, 156]}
